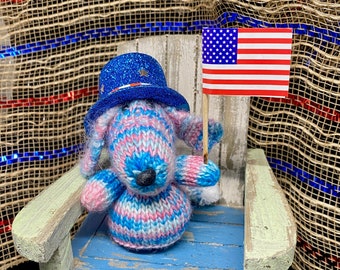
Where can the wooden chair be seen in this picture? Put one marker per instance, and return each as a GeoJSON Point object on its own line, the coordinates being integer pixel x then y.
{"type": "Point", "coordinates": [251, 228]}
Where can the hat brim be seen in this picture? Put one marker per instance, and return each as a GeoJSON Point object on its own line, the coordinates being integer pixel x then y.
{"type": "Point", "coordinates": [164, 95]}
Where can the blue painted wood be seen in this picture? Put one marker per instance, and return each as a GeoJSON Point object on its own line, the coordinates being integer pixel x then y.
{"type": "Point", "coordinates": [213, 240]}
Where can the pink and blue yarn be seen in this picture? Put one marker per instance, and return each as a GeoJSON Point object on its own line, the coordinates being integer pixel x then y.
{"type": "Point", "coordinates": [141, 136]}
{"type": "Point", "coordinates": [144, 189]}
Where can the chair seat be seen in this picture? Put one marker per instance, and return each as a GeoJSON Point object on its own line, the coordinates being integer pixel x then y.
{"type": "Point", "coordinates": [213, 240]}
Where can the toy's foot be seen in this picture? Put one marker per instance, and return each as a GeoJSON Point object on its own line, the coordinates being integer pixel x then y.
{"type": "Point", "coordinates": [203, 195]}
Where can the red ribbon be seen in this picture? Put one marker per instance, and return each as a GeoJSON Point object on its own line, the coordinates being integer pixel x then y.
{"type": "Point", "coordinates": [5, 225]}
{"type": "Point", "coordinates": [43, 101]}
{"type": "Point", "coordinates": [327, 259]}
{"type": "Point", "coordinates": [310, 105]}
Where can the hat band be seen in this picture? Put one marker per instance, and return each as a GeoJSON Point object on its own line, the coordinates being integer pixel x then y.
{"type": "Point", "coordinates": [128, 85]}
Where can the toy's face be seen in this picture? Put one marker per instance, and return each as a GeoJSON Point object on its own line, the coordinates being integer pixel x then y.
{"type": "Point", "coordinates": [141, 146]}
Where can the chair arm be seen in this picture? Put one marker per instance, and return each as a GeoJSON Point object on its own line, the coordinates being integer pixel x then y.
{"type": "Point", "coordinates": [270, 229]}
{"type": "Point", "coordinates": [44, 222]}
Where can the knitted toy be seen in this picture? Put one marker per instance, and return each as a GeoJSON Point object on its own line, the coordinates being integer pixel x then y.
{"type": "Point", "coordinates": [146, 187]}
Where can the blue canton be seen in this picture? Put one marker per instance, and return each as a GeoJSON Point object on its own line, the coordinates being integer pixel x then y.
{"type": "Point", "coordinates": [219, 46]}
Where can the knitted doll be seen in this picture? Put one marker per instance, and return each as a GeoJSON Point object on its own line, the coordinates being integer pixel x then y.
{"type": "Point", "coordinates": [145, 188]}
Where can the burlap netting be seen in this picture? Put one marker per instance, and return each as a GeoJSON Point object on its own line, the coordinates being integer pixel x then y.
{"type": "Point", "coordinates": [50, 56]}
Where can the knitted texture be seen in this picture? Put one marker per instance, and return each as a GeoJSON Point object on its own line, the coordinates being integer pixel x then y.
{"type": "Point", "coordinates": [189, 128]}
{"type": "Point", "coordinates": [148, 208]}
{"type": "Point", "coordinates": [191, 171]}
{"type": "Point", "coordinates": [147, 223]}
{"type": "Point", "coordinates": [141, 137]}
{"type": "Point", "coordinates": [145, 188]}
{"type": "Point", "coordinates": [100, 191]}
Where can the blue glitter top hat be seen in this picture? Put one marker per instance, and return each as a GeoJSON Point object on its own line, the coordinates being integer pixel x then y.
{"type": "Point", "coordinates": [132, 76]}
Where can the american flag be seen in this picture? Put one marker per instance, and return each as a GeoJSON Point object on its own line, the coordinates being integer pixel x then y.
{"type": "Point", "coordinates": [246, 61]}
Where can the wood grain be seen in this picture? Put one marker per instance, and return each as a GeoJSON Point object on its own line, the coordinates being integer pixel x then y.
{"type": "Point", "coordinates": [270, 230]}
{"type": "Point", "coordinates": [41, 226]}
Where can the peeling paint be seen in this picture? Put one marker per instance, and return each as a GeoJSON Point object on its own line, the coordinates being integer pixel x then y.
{"type": "Point", "coordinates": [206, 213]}
{"type": "Point", "coordinates": [189, 236]}
{"type": "Point", "coordinates": [78, 264]}
{"type": "Point", "coordinates": [125, 257]}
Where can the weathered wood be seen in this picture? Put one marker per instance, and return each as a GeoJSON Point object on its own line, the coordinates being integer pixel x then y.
{"type": "Point", "coordinates": [41, 226]}
{"type": "Point", "coordinates": [180, 57]}
{"type": "Point", "coordinates": [270, 230]}
{"type": "Point", "coordinates": [234, 149]}
{"type": "Point", "coordinates": [62, 258]}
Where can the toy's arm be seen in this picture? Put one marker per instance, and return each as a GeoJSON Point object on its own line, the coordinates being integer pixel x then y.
{"type": "Point", "coordinates": [189, 128]}
{"type": "Point", "coordinates": [101, 190]}
{"type": "Point", "coordinates": [191, 171]}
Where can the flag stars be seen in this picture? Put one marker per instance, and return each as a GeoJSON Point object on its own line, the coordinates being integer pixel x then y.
{"type": "Point", "coordinates": [220, 46]}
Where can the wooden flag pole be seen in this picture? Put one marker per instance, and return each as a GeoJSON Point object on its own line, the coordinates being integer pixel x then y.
{"type": "Point", "coordinates": [205, 114]}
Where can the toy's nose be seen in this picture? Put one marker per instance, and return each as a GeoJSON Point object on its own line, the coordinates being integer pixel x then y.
{"type": "Point", "coordinates": [146, 178]}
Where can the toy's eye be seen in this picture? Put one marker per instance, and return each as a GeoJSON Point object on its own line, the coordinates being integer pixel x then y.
{"type": "Point", "coordinates": [125, 107]}
{"type": "Point", "coordinates": [150, 103]}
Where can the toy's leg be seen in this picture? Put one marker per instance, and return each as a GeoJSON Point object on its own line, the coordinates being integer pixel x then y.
{"type": "Point", "coordinates": [203, 195]}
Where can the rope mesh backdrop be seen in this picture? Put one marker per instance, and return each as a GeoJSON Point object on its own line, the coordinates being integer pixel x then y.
{"type": "Point", "coordinates": [51, 53]}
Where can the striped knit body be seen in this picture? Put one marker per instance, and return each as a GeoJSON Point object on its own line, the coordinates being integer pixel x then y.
{"type": "Point", "coordinates": [140, 222]}
{"type": "Point", "coordinates": [143, 188]}
{"type": "Point", "coordinates": [145, 216]}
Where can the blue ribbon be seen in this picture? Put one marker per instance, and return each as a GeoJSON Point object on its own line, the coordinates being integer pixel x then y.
{"type": "Point", "coordinates": [277, 164]}
{"type": "Point", "coordinates": [305, 177]}
{"type": "Point", "coordinates": [177, 27]}
{"type": "Point", "coordinates": [17, 157]}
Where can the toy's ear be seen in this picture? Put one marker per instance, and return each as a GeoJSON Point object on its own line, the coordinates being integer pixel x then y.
{"type": "Point", "coordinates": [189, 128]}
{"type": "Point", "coordinates": [177, 117]}
{"type": "Point", "coordinates": [96, 142]}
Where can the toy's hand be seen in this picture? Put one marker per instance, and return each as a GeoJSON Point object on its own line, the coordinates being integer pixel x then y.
{"type": "Point", "coordinates": [215, 133]}
{"type": "Point", "coordinates": [192, 171]}
{"type": "Point", "coordinates": [100, 191]}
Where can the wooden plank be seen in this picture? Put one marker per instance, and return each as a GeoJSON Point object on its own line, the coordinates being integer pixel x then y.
{"type": "Point", "coordinates": [190, 256]}
{"type": "Point", "coordinates": [62, 258]}
{"type": "Point", "coordinates": [41, 226]}
{"type": "Point", "coordinates": [223, 243]}
{"type": "Point", "coordinates": [126, 47]}
{"type": "Point", "coordinates": [182, 65]}
{"type": "Point", "coordinates": [234, 149]}
{"type": "Point", "coordinates": [270, 230]}
{"type": "Point", "coordinates": [87, 230]}
{"type": "Point", "coordinates": [219, 214]}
